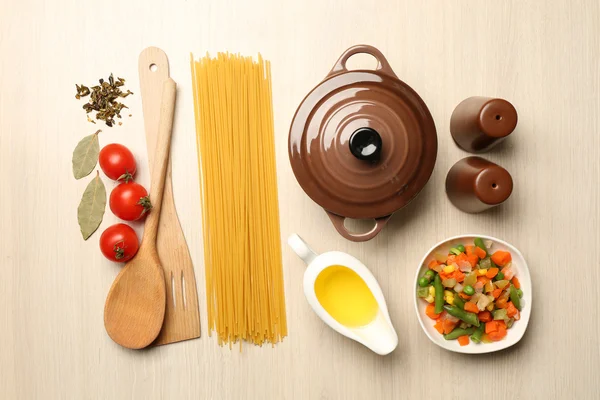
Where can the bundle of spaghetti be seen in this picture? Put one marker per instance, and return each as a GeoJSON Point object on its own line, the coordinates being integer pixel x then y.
{"type": "Point", "coordinates": [240, 211]}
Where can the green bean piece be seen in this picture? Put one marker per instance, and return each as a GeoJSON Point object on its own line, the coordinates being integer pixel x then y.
{"type": "Point", "coordinates": [458, 302]}
{"type": "Point", "coordinates": [461, 248]}
{"type": "Point", "coordinates": [456, 333]}
{"type": "Point", "coordinates": [423, 281]}
{"type": "Point", "coordinates": [514, 297]}
{"type": "Point", "coordinates": [499, 276]}
{"type": "Point", "coordinates": [455, 251]}
{"type": "Point", "coordinates": [429, 275]}
{"type": "Point", "coordinates": [520, 293]}
{"type": "Point", "coordinates": [476, 336]}
{"type": "Point", "coordinates": [468, 317]}
{"type": "Point", "coordinates": [479, 243]}
{"type": "Point", "coordinates": [468, 290]}
{"type": "Point", "coordinates": [439, 294]}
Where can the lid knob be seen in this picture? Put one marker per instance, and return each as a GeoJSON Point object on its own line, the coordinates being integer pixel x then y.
{"type": "Point", "coordinates": [365, 144]}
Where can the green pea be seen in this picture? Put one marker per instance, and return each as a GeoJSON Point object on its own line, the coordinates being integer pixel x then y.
{"type": "Point", "coordinates": [499, 276]}
{"type": "Point", "coordinates": [423, 281]}
{"type": "Point", "coordinates": [468, 290]}
{"type": "Point", "coordinates": [429, 275]}
{"type": "Point", "coordinates": [461, 248]}
{"type": "Point", "coordinates": [520, 292]}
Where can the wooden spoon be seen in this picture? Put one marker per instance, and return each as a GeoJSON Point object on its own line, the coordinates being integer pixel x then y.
{"type": "Point", "coordinates": [135, 305]}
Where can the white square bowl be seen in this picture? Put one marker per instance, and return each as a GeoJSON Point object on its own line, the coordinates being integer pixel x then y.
{"type": "Point", "coordinates": [514, 334]}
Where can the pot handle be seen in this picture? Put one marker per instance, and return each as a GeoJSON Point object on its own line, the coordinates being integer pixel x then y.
{"type": "Point", "coordinates": [382, 63]}
{"type": "Point", "coordinates": [338, 223]}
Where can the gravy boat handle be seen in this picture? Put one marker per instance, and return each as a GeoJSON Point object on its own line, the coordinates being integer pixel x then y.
{"type": "Point", "coordinates": [301, 248]}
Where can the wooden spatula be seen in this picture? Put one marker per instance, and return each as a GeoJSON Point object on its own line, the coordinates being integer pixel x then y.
{"type": "Point", "coordinates": [182, 319]}
{"type": "Point", "coordinates": [135, 306]}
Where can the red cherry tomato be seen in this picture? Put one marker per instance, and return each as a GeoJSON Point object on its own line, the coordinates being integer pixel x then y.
{"type": "Point", "coordinates": [129, 201]}
{"type": "Point", "coordinates": [119, 243]}
{"type": "Point", "coordinates": [117, 162]}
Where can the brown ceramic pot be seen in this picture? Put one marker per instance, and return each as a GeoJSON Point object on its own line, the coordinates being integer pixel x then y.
{"type": "Point", "coordinates": [362, 143]}
{"type": "Point", "coordinates": [479, 123]}
{"type": "Point", "coordinates": [475, 184]}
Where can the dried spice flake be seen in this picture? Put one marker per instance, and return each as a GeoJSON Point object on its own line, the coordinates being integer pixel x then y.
{"type": "Point", "coordinates": [104, 99]}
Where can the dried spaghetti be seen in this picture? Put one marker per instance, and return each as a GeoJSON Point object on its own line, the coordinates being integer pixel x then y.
{"type": "Point", "coordinates": [236, 152]}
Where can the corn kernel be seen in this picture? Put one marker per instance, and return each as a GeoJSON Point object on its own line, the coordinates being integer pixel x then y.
{"type": "Point", "coordinates": [481, 272]}
{"type": "Point", "coordinates": [429, 299]}
{"type": "Point", "coordinates": [431, 291]}
{"type": "Point", "coordinates": [449, 269]}
{"type": "Point", "coordinates": [449, 297]}
{"type": "Point", "coordinates": [490, 307]}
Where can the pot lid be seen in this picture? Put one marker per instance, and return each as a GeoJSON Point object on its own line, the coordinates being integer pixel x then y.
{"type": "Point", "coordinates": [362, 143]}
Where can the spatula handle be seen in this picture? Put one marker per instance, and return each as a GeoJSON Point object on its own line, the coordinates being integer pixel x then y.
{"type": "Point", "coordinates": [161, 158]}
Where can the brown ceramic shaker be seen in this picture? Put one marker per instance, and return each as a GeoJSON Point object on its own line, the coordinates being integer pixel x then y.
{"type": "Point", "coordinates": [475, 184]}
{"type": "Point", "coordinates": [479, 123]}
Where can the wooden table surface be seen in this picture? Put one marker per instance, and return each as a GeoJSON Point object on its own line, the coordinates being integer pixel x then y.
{"type": "Point", "coordinates": [544, 57]}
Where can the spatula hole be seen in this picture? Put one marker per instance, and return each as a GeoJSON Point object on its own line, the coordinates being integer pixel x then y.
{"type": "Point", "coordinates": [173, 293]}
{"type": "Point", "coordinates": [361, 61]}
{"type": "Point", "coordinates": [153, 67]}
{"type": "Point", "coordinates": [183, 292]}
{"type": "Point", "coordinates": [359, 225]}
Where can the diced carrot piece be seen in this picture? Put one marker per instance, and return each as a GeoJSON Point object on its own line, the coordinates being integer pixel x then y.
{"type": "Point", "coordinates": [470, 250]}
{"type": "Point", "coordinates": [430, 311]}
{"type": "Point", "coordinates": [459, 276]}
{"type": "Point", "coordinates": [460, 257]}
{"type": "Point", "coordinates": [492, 272]}
{"type": "Point", "coordinates": [511, 310]}
{"type": "Point", "coordinates": [471, 307]}
{"type": "Point", "coordinates": [432, 264]}
{"type": "Point", "coordinates": [501, 258]}
{"type": "Point", "coordinates": [483, 279]}
{"type": "Point", "coordinates": [496, 293]}
{"type": "Point", "coordinates": [450, 260]}
{"type": "Point", "coordinates": [502, 303]}
{"type": "Point", "coordinates": [497, 335]}
{"type": "Point", "coordinates": [444, 275]}
{"type": "Point", "coordinates": [516, 282]}
{"type": "Point", "coordinates": [485, 316]}
{"type": "Point", "coordinates": [438, 327]}
{"type": "Point", "coordinates": [449, 326]}
{"type": "Point", "coordinates": [479, 252]}
{"type": "Point", "coordinates": [463, 340]}
{"type": "Point", "coordinates": [500, 333]}
{"type": "Point", "coordinates": [472, 259]}
{"type": "Point", "coordinates": [464, 296]}
{"type": "Point", "coordinates": [491, 326]}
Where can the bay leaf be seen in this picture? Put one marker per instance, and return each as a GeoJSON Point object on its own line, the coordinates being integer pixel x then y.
{"type": "Point", "coordinates": [85, 155]}
{"type": "Point", "coordinates": [91, 208]}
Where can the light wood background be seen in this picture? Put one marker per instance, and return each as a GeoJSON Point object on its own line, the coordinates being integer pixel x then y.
{"type": "Point", "coordinates": [543, 56]}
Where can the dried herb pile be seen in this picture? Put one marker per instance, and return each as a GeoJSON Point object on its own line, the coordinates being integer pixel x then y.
{"type": "Point", "coordinates": [104, 99]}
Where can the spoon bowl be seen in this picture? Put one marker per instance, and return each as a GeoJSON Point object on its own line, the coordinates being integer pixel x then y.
{"type": "Point", "coordinates": [137, 301]}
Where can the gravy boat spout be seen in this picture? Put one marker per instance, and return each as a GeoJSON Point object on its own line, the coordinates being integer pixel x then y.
{"type": "Point", "coordinates": [346, 296]}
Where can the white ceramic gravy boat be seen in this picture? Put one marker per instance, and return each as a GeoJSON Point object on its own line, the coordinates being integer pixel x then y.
{"type": "Point", "coordinates": [379, 334]}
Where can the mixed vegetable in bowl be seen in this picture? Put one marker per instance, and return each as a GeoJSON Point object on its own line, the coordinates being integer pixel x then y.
{"type": "Point", "coordinates": [473, 293]}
